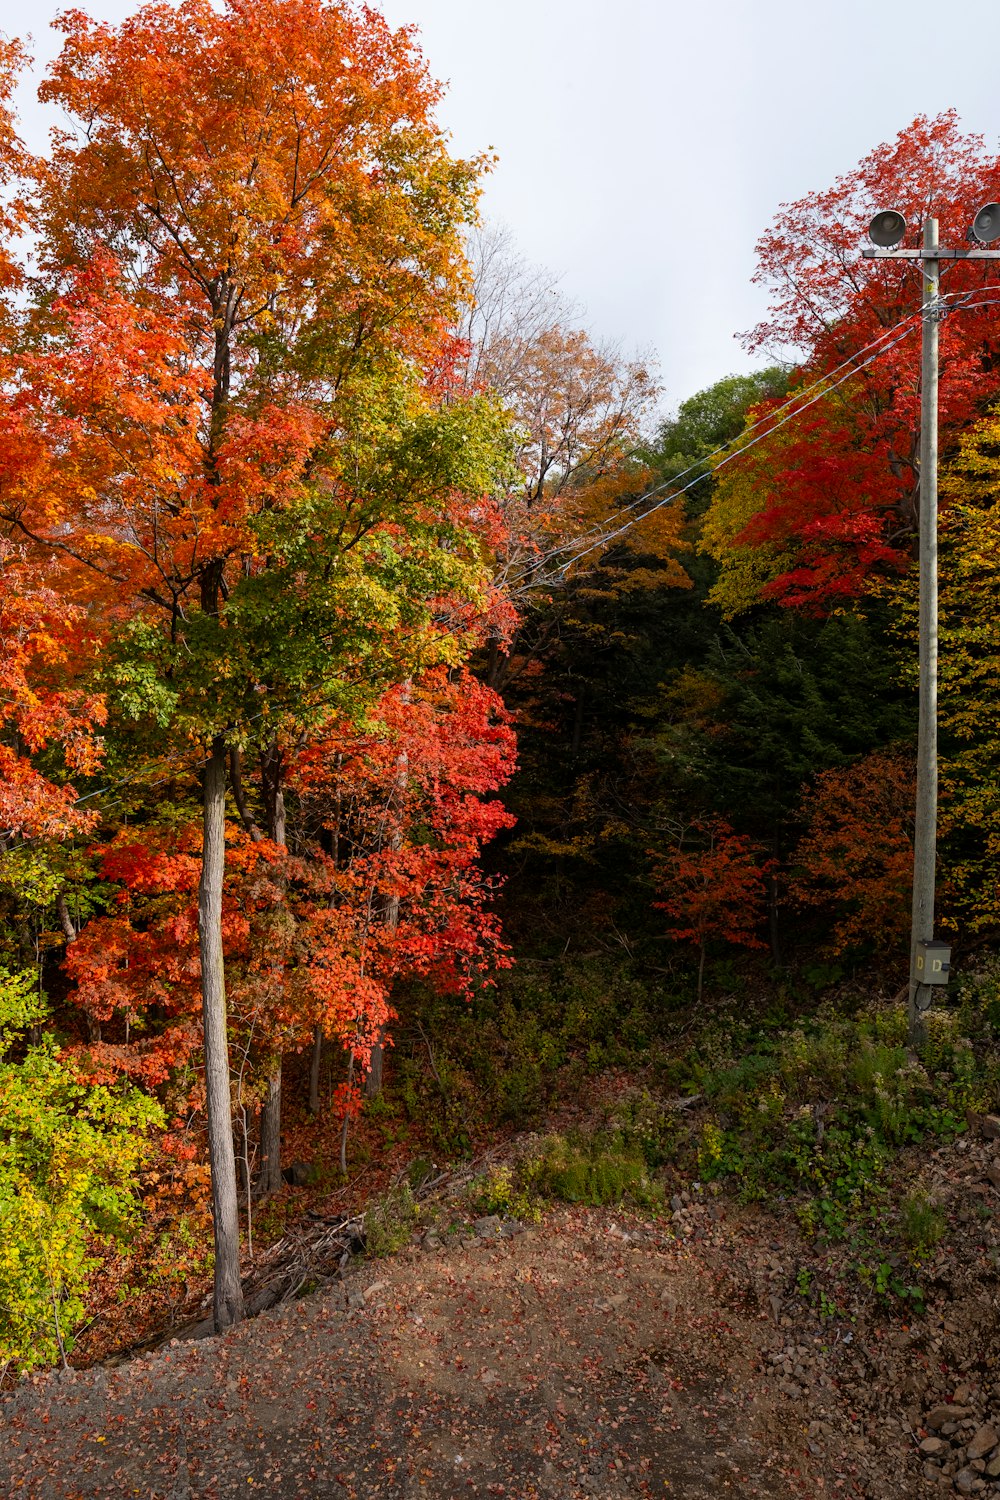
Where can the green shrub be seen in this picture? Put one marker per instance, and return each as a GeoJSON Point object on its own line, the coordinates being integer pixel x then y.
{"type": "Point", "coordinates": [922, 1221]}
{"type": "Point", "coordinates": [389, 1220]}
{"type": "Point", "coordinates": [70, 1153]}
{"type": "Point", "coordinates": [597, 1170]}
{"type": "Point", "coordinates": [500, 1191]}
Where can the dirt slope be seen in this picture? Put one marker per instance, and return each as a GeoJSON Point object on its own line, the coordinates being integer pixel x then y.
{"type": "Point", "coordinates": [579, 1358]}
{"type": "Point", "coordinates": [591, 1355]}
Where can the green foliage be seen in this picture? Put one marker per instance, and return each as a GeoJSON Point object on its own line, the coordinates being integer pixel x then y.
{"type": "Point", "coordinates": [922, 1222]}
{"type": "Point", "coordinates": [643, 1123]}
{"type": "Point", "coordinates": [816, 1113]}
{"type": "Point", "coordinates": [389, 1220]}
{"type": "Point", "coordinates": [499, 1191]}
{"type": "Point", "coordinates": [708, 421]}
{"type": "Point", "coordinates": [69, 1155]}
{"type": "Point", "coordinates": [501, 1058]}
{"type": "Point", "coordinates": [602, 1169]}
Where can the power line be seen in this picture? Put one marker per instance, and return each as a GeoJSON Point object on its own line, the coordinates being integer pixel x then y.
{"type": "Point", "coordinates": [880, 347]}
{"type": "Point", "coordinates": [823, 386]}
{"type": "Point", "coordinates": [850, 365]}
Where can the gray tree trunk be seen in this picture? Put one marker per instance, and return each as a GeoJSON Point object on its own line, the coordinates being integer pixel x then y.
{"type": "Point", "coordinates": [228, 1293]}
{"type": "Point", "coordinates": [373, 1078]}
{"type": "Point", "coordinates": [269, 1180]}
{"type": "Point", "coordinates": [69, 930]}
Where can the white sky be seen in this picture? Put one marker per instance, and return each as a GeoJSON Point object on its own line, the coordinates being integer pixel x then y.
{"type": "Point", "coordinates": [645, 144]}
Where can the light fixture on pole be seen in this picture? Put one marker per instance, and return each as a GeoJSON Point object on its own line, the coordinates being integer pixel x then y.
{"type": "Point", "coordinates": [929, 961]}
{"type": "Point", "coordinates": [986, 225]}
{"type": "Point", "coordinates": [887, 228]}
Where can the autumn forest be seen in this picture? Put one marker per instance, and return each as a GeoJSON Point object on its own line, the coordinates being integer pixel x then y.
{"type": "Point", "coordinates": [415, 740]}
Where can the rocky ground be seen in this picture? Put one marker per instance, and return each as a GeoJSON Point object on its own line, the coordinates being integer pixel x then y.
{"type": "Point", "coordinates": [593, 1354]}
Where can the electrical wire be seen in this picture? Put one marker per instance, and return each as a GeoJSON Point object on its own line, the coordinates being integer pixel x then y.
{"type": "Point", "coordinates": [606, 538]}
{"type": "Point", "coordinates": [822, 386]}
{"type": "Point", "coordinates": [826, 387]}
{"type": "Point", "coordinates": [764, 421]}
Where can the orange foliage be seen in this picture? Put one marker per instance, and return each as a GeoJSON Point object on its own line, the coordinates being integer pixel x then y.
{"type": "Point", "coordinates": [715, 889]}
{"type": "Point", "coordinates": [856, 856]}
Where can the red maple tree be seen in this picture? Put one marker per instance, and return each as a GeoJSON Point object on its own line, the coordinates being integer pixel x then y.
{"type": "Point", "coordinates": [713, 888]}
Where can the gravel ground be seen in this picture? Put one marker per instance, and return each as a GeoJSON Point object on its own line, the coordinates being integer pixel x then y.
{"type": "Point", "coordinates": [592, 1355]}
{"type": "Point", "coordinates": [584, 1357]}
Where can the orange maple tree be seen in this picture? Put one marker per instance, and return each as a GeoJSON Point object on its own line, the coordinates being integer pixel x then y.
{"type": "Point", "coordinates": [218, 438]}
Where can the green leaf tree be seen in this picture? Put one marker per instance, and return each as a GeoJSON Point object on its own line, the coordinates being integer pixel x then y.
{"type": "Point", "coordinates": [70, 1152]}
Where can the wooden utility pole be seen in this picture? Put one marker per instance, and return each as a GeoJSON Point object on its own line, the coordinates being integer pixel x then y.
{"type": "Point", "coordinates": [887, 231]}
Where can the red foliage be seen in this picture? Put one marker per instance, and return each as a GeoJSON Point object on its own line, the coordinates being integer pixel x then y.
{"type": "Point", "coordinates": [715, 889]}
{"type": "Point", "coordinates": [318, 936]}
{"type": "Point", "coordinates": [843, 495]}
{"type": "Point", "coordinates": [45, 646]}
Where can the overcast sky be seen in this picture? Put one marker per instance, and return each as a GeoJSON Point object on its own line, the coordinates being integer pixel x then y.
{"type": "Point", "coordinates": [645, 144]}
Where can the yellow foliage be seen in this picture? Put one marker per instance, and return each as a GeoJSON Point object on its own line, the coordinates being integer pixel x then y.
{"type": "Point", "coordinates": [744, 488]}
{"type": "Point", "coordinates": [970, 676]}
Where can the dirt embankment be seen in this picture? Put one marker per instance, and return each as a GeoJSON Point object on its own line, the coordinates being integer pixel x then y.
{"type": "Point", "coordinates": [591, 1355]}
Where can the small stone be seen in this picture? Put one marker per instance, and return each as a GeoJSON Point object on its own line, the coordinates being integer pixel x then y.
{"type": "Point", "coordinates": [371, 1292]}
{"type": "Point", "coordinates": [932, 1445]}
{"type": "Point", "coordinates": [993, 1467]}
{"type": "Point", "coordinates": [984, 1442]}
{"type": "Point", "coordinates": [432, 1242]}
{"type": "Point", "coordinates": [967, 1481]}
{"type": "Point", "coordinates": [939, 1415]}
{"type": "Point", "coordinates": [993, 1174]}
{"type": "Point", "coordinates": [612, 1304]}
{"type": "Point", "coordinates": [991, 1127]}
{"type": "Point", "coordinates": [488, 1227]}
{"type": "Point", "coordinates": [301, 1173]}
{"type": "Point", "coordinates": [677, 1203]}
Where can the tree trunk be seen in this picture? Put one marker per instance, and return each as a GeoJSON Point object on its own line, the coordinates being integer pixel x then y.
{"type": "Point", "coordinates": [314, 1067]}
{"type": "Point", "coordinates": [701, 971]}
{"type": "Point", "coordinates": [236, 781]}
{"type": "Point", "coordinates": [271, 768]}
{"type": "Point", "coordinates": [71, 934]}
{"type": "Point", "coordinates": [269, 1180]}
{"type": "Point", "coordinates": [373, 1078]}
{"type": "Point", "coordinates": [228, 1293]}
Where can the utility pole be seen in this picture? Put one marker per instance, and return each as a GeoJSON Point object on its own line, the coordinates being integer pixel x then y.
{"type": "Point", "coordinates": [929, 960]}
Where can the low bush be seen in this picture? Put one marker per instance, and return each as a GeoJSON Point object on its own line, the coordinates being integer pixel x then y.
{"type": "Point", "coordinates": [599, 1170]}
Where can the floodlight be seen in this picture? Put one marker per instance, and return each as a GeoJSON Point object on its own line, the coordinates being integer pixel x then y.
{"type": "Point", "coordinates": [887, 228]}
{"type": "Point", "coordinates": [986, 224]}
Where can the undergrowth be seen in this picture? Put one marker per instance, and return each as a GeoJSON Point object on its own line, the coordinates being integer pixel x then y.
{"type": "Point", "coordinates": [805, 1108]}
